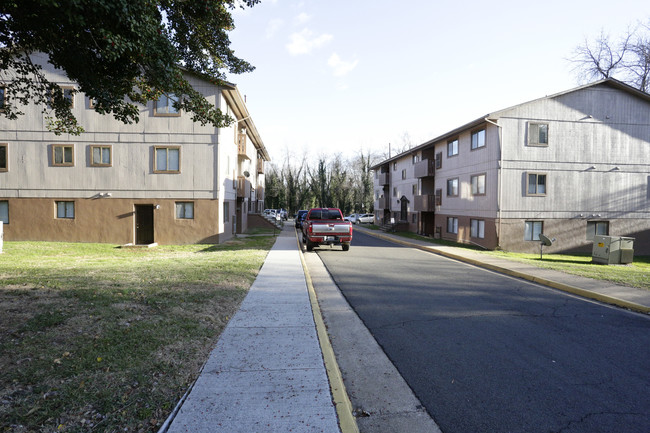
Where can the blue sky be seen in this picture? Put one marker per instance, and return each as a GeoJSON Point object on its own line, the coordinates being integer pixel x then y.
{"type": "Point", "coordinates": [343, 76]}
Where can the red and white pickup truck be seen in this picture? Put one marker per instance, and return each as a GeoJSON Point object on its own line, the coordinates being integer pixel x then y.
{"type": "Point", "coordinates": [325, 226]}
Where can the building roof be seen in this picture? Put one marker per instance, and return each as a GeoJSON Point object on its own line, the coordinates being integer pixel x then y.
{"type": "Point", "coordinates": [495, 115]}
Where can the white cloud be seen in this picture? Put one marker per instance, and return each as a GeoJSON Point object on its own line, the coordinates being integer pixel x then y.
{"type": "Point", "coordinates": [272, 27]}
{"type": "Point", "coordinates": [341, 67]}
{"type": "Point", "coordinates": [302, 18]}
{"type": "Point", "coordinates": [305, 41]}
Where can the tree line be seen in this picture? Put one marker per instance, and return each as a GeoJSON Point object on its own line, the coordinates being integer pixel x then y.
{"type": "Point", "coordinates": [330, 181]}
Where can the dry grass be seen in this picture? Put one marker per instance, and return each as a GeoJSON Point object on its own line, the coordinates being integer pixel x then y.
{"type": "Point", "coordinates": [97, 338]}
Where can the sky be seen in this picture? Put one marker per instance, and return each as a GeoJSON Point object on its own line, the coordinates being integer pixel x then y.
{"type": "Point", "coordinates": [344, 77]}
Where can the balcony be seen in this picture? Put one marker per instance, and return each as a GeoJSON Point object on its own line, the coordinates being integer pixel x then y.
{"type": "Point", "coordinates": [241, 145]}
{"type": "Point", "coordinates": [424, 203]}
{"type": "Point", "coordinates": [383, 178]}
{"type": "Point", "coordinates": [260, 166]}
{"type": "Point", "coordinates": [424, 168]}
{"type": "Point", "coordinates": [242, 184]}
{"type": "Point", "coordinates": [383, 203]}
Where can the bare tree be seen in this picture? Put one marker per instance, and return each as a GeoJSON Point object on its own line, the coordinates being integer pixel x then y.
{"type": "Point", "coordinates": [626, 59]}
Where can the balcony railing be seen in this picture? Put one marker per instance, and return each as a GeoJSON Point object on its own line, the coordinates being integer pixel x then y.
{"type": "Point", "coordinates": [242, 184]}
{"type": "Point", "coordinates": [383, 178]}
{"type": "Point", "coordinates": [241, 144]}
{"type": "Point", "coordinates": [260, 166]}
{"type": "Point", "coordinates": [424, 168]}
{"type": "Point", "coordinates": [424, 203]}
{"type": "Point", "coordinates": [383, 203]}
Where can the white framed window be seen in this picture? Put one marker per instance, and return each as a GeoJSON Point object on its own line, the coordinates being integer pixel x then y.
{"type": "Point", "coordinates": [226, 212]}
{"type": "Point", "coordinates": [452, 148]}
{"type": "Point", "coordinates": [452, 225]}
{"type": "Point", "coordinates": [4, 211]}
{"type": "Point", "coordinates": [167, 159]}
{"type": "Point", "coordinates": [416, 159]}
{"type": "Point", "coordinates": [532, 230]}
{"type": "Point", "coordinates": [62, 155]}
{"type": "Point", "coordinates": [478, 184]}
{"type": "Point", "coordinates": [101, 156]}
{"type": "Point", "coordinates": [452, 187]}
{"type": "Point", "coordinates": [536, 184]}
{"type": "Point", "coordinates": [600, 228]}
{"type": "Point", "coordinates": [478, 139]}
{"type": "Point", "coordinates": [537, 134]}
{"type": "Point", "coordinates": [65, 209]}
{"type": "Point", "coordinates": [164, 106]}
{"type": "Point", "coordinates": [403, 174]}
{"type": "Point", "coordinates": [185, 210]}
{"type": "Point", "coordinates": [477, 228]}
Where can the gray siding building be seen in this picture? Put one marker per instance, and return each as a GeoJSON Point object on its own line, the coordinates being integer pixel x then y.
{"type": "Point", "coordinates": [570, 165]}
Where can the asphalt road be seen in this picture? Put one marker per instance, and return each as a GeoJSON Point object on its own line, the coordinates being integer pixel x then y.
{"type": "Point", "coordinates": [488, 353]}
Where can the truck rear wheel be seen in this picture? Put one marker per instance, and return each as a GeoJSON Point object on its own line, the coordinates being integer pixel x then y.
{"type": "Point", "coordinates": [346, 247]}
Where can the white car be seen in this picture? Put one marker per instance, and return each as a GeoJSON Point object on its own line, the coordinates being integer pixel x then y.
{"type": "Point", "coordinates": [352, 217]}
{"type": "Point", "coordinates": [365, 218]}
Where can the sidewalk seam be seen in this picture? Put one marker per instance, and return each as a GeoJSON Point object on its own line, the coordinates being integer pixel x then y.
{"type": "Point", "coordinates": [347, 423]}
{"type": "Point", "coordinates": [611, 300]}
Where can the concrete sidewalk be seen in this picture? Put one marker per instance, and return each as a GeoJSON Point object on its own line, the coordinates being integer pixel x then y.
{"type": "Point", "coordinates": [266, 373]}
{"type": "Point", "coordinates": [603, 291]}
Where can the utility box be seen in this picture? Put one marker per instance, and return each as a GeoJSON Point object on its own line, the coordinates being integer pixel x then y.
{"type": "Point", "coordinates": [610, 250]}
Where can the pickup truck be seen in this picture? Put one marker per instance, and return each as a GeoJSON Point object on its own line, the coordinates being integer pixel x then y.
{"type": "Point", "coordinates": [325, 226]}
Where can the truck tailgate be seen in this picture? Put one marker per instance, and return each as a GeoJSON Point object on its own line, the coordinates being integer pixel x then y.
{"type": "Point", "coordinates": [330, 228]}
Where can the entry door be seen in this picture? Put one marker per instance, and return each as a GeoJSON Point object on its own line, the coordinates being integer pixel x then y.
{"type": "Point", "coordinates": [143, 224]}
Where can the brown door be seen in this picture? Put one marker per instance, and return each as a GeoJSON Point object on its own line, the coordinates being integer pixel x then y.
{"type": "Point", "coordinates": [143, 224]}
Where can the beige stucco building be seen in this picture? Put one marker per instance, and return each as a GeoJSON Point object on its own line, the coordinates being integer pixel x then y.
{"type": "Point", "coordinates": [165, 179]}
{"type": "Point", "coordinates": [570, 165]}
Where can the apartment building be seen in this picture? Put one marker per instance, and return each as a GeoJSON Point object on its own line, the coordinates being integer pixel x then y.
{"type": "Point", "coordinates": [570, 166]}
{"type": "Point", "coordinates": [165, 180]}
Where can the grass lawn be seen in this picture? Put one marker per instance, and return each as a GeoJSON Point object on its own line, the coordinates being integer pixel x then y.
{"type": "Point", "coordinates": [636, 274]}
{"type": "Point", "coordinates": [98, 338]}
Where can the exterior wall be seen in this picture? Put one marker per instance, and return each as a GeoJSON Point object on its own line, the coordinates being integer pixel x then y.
{"type": "Point", "coordinates": [489, 240]}
{"type": "Point", "coordinates": [109, 220]}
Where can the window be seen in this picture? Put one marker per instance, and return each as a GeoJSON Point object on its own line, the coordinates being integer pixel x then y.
{"type": "Point", "coordinates": [478, 139]}
{"type": "Point", "coordinates": [452, 148]}
{"type": "Point", "coordinates": [439, 197]}
{"type": "Point", "coordinates": [452, 225]}
{"type": "Point", "coordinates": [478, 184]}
{"type": "Point", "coordinates": [100, 156]}
{"type": "Point", "coordinates": [403, 174]}
{"type": "Point", "coordinates": [185, 210]}
{"type": "Point", "coordinates": [532, 230]}
{"type": "Point", "coordinates": [415, 159]}
{"type": "Point", "coordinates": [164, 106]}
{"type": "Point", "coordinates": [395, 166]}
{"type": "Point", "coordinates": [62, 154]}
{"type": "Point", "coordinates": [438, 160]}
{"type": "Point", "coordinates": [414, 189]}
{"type": "Point", "coordinates": [477, 228]}
{"type": "Point", "coordinates": [538, 134]}
{"type": "Point", "coordinates": [226, 212]}
{"type": "Point", "coordinates": [452, 187]}
{"type": "Point", "coordinates": [65, 209]}
{"type": "Point", "coordinates": [414, 218]}
{"type": "Point", "coordinates": [3, 97]}
{"type": "Point", "coordinates": [4, 211]}
{"type": "Point", "coordinates": [167, 159]}
{"type": "Point", "coordinates": [4, 165]}
{"type": "Point", "coordinates": [600, 228]}
{"type": "Point", "coordinates": [67, 93]}
{"type": "Point", "coordinates": [536, 184]}
{"type": "Point", "coordinates": [394, 191]}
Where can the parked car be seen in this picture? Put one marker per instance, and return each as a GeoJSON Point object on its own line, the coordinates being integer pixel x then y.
{"type": "Point", "coordinates": [300, 217]}
{"type": "Point", "coordinates": [366, 218]}
{"type": "Point", "coordinates": [352, 217]}
{"type": "Point", "coordinates": [284, 215]}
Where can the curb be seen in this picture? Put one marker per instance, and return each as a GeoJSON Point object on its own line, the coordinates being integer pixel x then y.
{"type": "Point", "coordinates": [606, 299]}
{"type": "Point", "coordinates": [347, 422]}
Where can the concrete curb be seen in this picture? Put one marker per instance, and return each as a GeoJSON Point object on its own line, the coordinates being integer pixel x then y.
{"type": "Point", "coordinates": [611, 300]}
{"type": "Point", "coordinates": [347, 422]}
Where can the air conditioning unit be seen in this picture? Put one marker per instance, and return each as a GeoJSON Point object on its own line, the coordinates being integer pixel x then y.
{"type": "Point", "coordinates": [610, 250]}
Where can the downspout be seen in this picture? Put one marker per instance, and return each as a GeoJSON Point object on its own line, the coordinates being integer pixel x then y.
{"type": "Point", "coordinates": [499, 182]}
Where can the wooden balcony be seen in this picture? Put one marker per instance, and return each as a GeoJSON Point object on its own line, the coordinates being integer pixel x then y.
{"type": "Point", "coordinates": [383, 203]}
{"type": "Point", "coordinates": [425, 168]}
{"type": "Point", "coordinates": [260, 166]}
{"type": "Point", "coordinates": [424, 203]}
{"type": "Point", "coordinates": [241, 144]}
{"type": "Point", "coordinates": [242, 186]}
{"type": "Point", "coordinates": [383, 178]}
